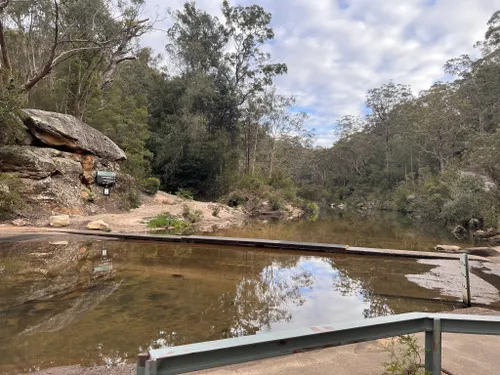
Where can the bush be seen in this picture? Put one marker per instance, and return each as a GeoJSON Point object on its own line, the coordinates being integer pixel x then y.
{"type": "Point", "coordinates": [11, 128]}
{"type": "Point", "coordinates": [169, 223]}
{"type": "Point", "coordinates": [311, 210]}
{"type": "Point", "coordinates": [253, 183]}
{"type": "Point", "coordinates": [237, 198]}
{"type": "Point", "coordinates": [185, 193]}
{"type": "Point", "coordinates": [150, 185]}
{"type": "Point", "coordinates": [276, 203]}
{"type": "Point", "coordinates": [469, 199]}
{"type": "Point", "coordinates": [190, 215]}
{"type": "Point", "coordinates": [10, 199]}
{"type": "Point", "coordinates": [404, 357]}
{"type": "Point", "coordinates": [216, 211]}
{"type": "Point", "coordinates": [128, 191]}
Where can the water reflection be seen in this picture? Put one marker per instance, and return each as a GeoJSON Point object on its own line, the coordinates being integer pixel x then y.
{"type": "Point", "coordinates": [387, 230]}
{"type": "Point", "coordinates": [62, 305]}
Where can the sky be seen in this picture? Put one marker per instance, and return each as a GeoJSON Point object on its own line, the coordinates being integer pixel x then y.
{"type": "Point", "coordinates": [337, 50]}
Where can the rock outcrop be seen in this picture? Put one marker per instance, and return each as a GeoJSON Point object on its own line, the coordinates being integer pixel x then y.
{"type": "Point", "coordinates": [54, 170]}
{"type": "Point", "coordinates": [69, 133]}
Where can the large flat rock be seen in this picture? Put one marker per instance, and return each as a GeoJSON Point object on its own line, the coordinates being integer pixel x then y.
{"type": "Point", "coordinates": [37, 162]}
{"type": "Point", "coordinates": [69, 133]}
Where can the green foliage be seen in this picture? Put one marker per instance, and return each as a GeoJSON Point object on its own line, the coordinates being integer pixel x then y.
{"type": "Point", "coordinates": [11, 128]}
{"type": "Point", "coordinates": [216, 211]}
{"type": "Point", "coordinates": [185, 194]}
{"type": "Point", "coordinates": [237, 198]}
{"type": "Point", "coordinates": [10, 199]}
{"type": "Point", "coordinates": [168, 222]}
{"type": "Point", "coordinates": [90, 196]}
{"type": "Point", "coordinates": [124, 117]}
{"type": "Point", "coordinates": [405, 357]}
{"type": "Point", "coordinates": [128, 192]}
{"type": "Point", "coordinates": [470, 199]}
{"type": "Point", "coordinates": [311, 210]}
{"type": "Point", "coordinates": [192, 216]}
{"type": "Point", "coordinates": [276, 202]}
{"type": "Point", "coordinates": [150, 185]}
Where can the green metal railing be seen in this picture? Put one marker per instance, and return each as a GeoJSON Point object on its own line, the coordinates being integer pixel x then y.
{"type": "Point", "coordinates": [205, 355]}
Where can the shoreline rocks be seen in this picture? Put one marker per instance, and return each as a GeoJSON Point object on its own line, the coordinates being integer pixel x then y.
{"type": "Point", "coordinates": [59, 221]}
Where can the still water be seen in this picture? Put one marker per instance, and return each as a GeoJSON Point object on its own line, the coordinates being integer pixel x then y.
{"type": "Point", "coordinates": [65, 304]}
{"type": "Point", "coordinates": [386, 230]}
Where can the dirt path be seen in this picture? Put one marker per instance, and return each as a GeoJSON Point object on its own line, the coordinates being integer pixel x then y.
{"type": "Point", "coordinates": [214, 216]}
{"type": "Point", "coordinates": [135, 220]}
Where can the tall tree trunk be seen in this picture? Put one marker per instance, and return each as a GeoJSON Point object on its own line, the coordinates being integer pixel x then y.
{"type": "Point", "coordinates": [271, 158]}
{"type": "Point", "coordinates": [254, 156]}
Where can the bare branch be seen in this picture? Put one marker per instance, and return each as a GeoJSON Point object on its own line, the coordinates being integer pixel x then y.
{"type": "Point", "coordinates": [47, 68]}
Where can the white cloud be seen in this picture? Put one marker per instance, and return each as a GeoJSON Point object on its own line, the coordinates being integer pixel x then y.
{"type": "Point", "coordinates": [336, 55]}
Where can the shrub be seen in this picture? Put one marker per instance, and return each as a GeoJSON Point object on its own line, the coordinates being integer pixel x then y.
{"type": "Point", "coordinates": [254, 183]}
{"type": "Point", "coordinates": [289, 194]}
{"type": "Point", "coordinates": [131, 199]}
{"type": "Point", "coordinates": [469, 199]}
{"type": "Point", "coordinates": [216, 211]}
{"type": "Point", "coordinates": [279, 181]}
{"type": "Point", "coordinates": [276, 203]}
{"type": "Point", "coordinates": [150, 185]}
{"type": "Point", "coordinates": [237, 198]}
{"type": "Point", "coordinates": [190, 215]}
{"type": "Point", "coordinates": [185, 193]}
{"type": "Point", "coordinates": [10, 198]}
{"type": "Point", "coordinates": [128, 191]}
{"type": "Point", "coordinates": [169, 223]}
{"type": "Point", "coordinates": [311, 210]}
{"type": "Point", "coordinates": [404, 357]}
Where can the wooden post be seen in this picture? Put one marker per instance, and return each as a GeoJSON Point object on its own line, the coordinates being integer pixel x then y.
{"type": "Point", "coordinates": [464, 270]}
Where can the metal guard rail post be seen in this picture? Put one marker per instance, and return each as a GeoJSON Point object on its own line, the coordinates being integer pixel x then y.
{"type": "Point", "coordinates": [205, 355]}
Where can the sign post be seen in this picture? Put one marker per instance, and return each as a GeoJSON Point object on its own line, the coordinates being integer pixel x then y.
{"type": "Point", "coordinates": [464, 270]}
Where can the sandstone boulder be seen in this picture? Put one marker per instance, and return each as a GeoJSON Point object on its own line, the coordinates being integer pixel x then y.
{"type": "Point", "coordinates": [494, 241]}
{"type": "Point", "coordinates": [38, 163]}
{"type": "Point", "coordinates": [20, 223]}
{"type": "Point", "coordinates": [97, 225]}
{"type": "Point", "coordinates": [69, 133]}
{"type": "Point", "coordinates": [448, 248]}
{"type": "Point", "coordinates": [59, 221]}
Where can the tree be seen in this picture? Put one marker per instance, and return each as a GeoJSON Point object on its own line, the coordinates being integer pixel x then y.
{"type": "Point", "coordinates": [248, 29]}
{"type": "Point", "coordinates": [48, 33]}
{"type": "Point", "coordinates": [383, 103]}
{"type": "Point", "coordinates": [437, 125]}
{"type": "Point", "coordinates": [281, 123]}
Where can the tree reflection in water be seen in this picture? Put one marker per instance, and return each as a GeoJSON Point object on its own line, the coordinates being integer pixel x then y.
{"type": "Point", "coordinates": [267, 291]}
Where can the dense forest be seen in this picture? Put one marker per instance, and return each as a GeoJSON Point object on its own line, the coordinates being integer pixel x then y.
{"type": "Point", "coordinates": [206, 118]}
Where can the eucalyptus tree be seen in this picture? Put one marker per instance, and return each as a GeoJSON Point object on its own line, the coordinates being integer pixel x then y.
{"type": "Point", "coordinates": [38, 36]}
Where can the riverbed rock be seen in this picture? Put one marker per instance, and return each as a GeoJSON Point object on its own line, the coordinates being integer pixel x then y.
{"type": "Point", "coordinates": [59, 221]}
{"type": "Point", "coordinates": [97, 225]}
{"type": "Point", "coordinates": [494, 241]}
{"type": "Point", "coordinates": [448, 248]}
{"type": "Point", "coordinates": [19, 223]}
{"type": "Point", "coordinates": [485, 234]}
{"type": "Point", "coordinates": [481, 251]}
{"type": "Point", "coordinates": [69, 133]}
